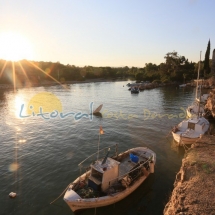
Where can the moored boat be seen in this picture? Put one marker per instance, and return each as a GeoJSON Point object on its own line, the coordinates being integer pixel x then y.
{"type": "Point", "coordinates": [135, 90]}
{"type": "Point", "coordinates": [195, 109]}
{"type": "Point", "coordinates": [188, 131]}
{"type": "Point", "coordinates": [182, 85]}
{"type": "Point", "coordinates": [110, 179]}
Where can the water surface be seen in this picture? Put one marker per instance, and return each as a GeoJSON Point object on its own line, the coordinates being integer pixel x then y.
{"type": "Point", "coordinates": [48, 151]}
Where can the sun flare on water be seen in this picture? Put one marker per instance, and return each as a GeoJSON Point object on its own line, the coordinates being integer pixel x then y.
{"type": "Point", "coordinates": [15, 47]}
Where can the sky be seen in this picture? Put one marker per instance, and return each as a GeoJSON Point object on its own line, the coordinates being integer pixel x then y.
{"type": "Point", "coordinates": [112, 33]}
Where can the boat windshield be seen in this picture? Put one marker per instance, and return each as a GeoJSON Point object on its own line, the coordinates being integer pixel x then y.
{"type": "Point", "coordinates": [96, 174]}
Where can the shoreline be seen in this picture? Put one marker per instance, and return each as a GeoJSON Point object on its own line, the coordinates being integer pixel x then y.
{"type": "Point", "coordinates": [50, 83]}
{"type": "Point", "coordinates": [194, 189]}
{"type": "Point", "coordinates": [142, 86]}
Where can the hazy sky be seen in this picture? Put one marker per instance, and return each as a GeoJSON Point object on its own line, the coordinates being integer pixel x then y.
{"type": "Point", "coordinates": [112, 32]}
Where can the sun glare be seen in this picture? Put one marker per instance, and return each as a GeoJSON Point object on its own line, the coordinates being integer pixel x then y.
{"type": "Point", "coordinates": [15, 47]}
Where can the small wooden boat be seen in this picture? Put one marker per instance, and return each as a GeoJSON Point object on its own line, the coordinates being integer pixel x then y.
{"type": "Point", "coordinates": [110, 179]}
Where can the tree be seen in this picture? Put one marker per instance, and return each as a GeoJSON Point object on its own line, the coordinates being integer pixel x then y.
{"type": "Point", "coordinates": [206, 63]}
{"type": "Point", "coordinates": [139, 77]}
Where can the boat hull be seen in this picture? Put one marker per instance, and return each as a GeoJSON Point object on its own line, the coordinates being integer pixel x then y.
{"type": "Point", "coordinates": [78, 203]}
{"type": "Point", "coordinates": [83, 204]}
{"type": "Point", "coordinates": [184, 140]}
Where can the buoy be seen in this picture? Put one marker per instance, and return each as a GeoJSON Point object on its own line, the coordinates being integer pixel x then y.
{"type": "Point", "coordinates": [152, 165]}
{"type": "Point", "coordinates": [12, 195]}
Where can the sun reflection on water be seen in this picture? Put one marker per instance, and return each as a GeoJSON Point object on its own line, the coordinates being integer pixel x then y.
{"type": "Point", "coordinates": [13, 167]}
{"type": "Point", "coordinates": [18, 102]}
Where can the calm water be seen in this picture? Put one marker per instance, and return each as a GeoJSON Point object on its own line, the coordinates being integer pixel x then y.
{"type": "Point", "coordinates": [47, 152]}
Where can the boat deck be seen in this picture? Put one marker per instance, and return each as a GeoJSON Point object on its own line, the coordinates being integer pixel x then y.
{"type": "Point", "coordinates": [125, 166]}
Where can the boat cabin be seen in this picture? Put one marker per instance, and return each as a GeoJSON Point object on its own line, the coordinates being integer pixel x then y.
{"type": "Point", "coordinates": [194, 124]}
{"type": "Point", "coordinates": [103, 175]}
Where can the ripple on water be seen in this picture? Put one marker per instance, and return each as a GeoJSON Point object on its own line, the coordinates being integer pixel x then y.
{"type": "Point", "coordinates": [48, 159]}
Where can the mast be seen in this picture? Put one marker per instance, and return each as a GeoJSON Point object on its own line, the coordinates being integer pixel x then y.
{"type": "Point", "coordinates": [198, 77]}
{"type": "Point", "coordinates": [197, 88]}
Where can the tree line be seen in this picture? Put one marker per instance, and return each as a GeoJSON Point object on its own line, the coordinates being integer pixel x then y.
{"type": "Point", "coordinates": [176, 68]}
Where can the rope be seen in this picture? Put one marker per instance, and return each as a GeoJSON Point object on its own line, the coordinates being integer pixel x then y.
{"type": "Point", "coordinates": [168, 133]}
{"type": "Point", "coordinates": [60, 194]}
{"type": "Point", "coordinates": [205, 143]}
{"type": "Point", "coordinates": [185, 147]}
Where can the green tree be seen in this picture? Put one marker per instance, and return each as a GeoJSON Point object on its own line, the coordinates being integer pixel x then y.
{"type": "Point", "coordinates": [139, 76]}
{"type": "Point", "coordinates": [206, 62]}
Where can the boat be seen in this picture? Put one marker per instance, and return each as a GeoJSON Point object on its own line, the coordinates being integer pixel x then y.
{"type": "Point", "coordinates": [190, 130]}
{"type": "Point", "coordinates": [204, 97]}
{"type": "Point", "coordinates": [196, 108]}
{"type": "Point", "coordinates": [182, 85]}
{"type": "Point", "coordinates": [110, 179]}
{"type": "Point", "coordinates": [135, 90]}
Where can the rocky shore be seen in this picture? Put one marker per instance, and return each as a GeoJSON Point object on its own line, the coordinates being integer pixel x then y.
{"type": "Point", "coordinates": [210, 105]}
{"type": "Point", "coordinates": [194, 190]}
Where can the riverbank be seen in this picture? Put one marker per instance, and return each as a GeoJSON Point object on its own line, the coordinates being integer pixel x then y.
{"type": "Point", "coordinates": [194, 189]}
{"type": "Point", "coordinates": [211, 104]}
{"type": "Point", "coordinates": [142, 86]}
{"type": "Point", "coordinates": [52, 83]}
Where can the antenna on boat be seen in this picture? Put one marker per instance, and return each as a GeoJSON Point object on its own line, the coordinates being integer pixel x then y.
{"type": "Point", "coordinates": [100, 132]}
{"type": "Point", "coordinates": [106, 156]}
{"type": "Point", "coordinates": [197, 87]}
{"type": "Point", "coordinates": [197, 83]}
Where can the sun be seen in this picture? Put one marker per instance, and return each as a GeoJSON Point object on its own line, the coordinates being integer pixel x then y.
{"type": "Point", "coordinates": [15, 47]}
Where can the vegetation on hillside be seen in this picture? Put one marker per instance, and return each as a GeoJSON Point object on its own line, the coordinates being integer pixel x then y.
{"type": "Point", "coordinates": [176, 68]}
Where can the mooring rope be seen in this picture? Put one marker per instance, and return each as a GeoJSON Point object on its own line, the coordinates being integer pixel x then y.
{"type": "Point", "coordinates": [60, 194]}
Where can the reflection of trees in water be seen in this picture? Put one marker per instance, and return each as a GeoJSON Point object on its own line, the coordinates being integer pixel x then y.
{"type": "Point", "coordinates": [172, 92]}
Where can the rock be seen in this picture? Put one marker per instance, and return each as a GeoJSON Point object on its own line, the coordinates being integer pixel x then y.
{"type": "Point", "coordinates": [194, 188]}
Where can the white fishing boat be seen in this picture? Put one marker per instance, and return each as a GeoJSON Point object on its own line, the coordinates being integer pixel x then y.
{"type": "Point", "coordinates": [196, 109]}
{"type": "Point", "coordinates": [188, 131]}
{"type": "Point", "coordinates": [110, 179]}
